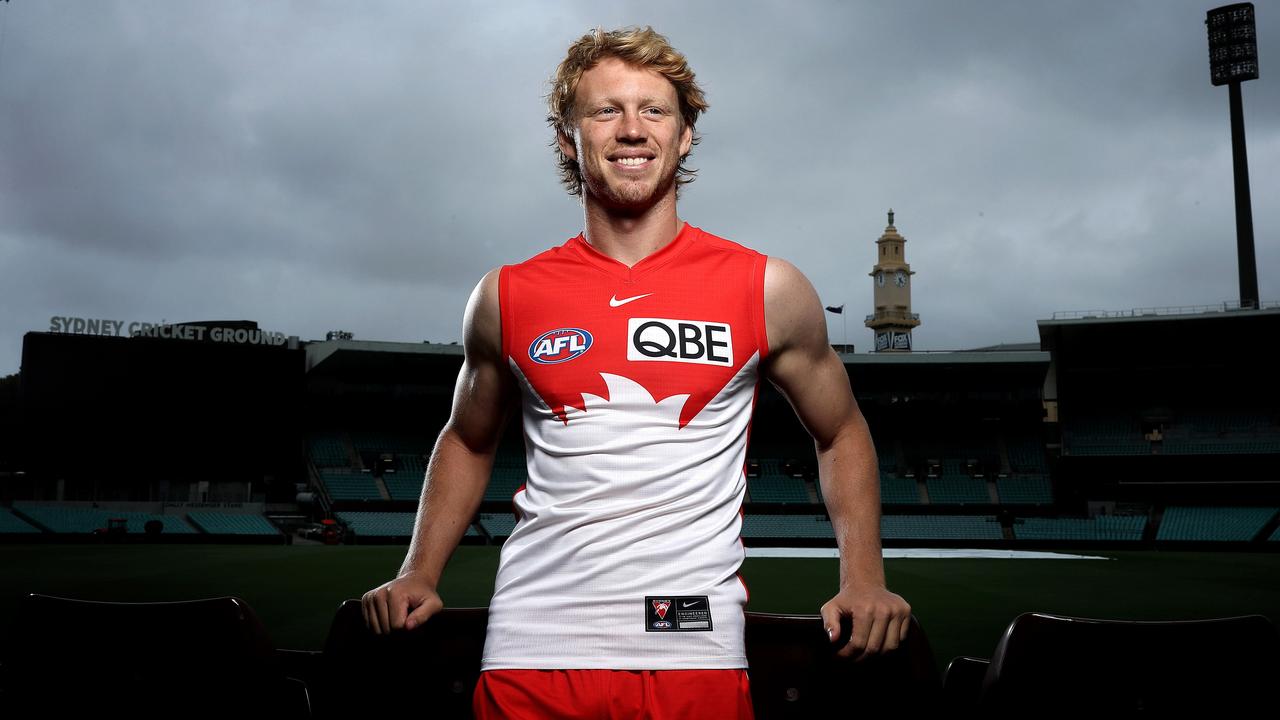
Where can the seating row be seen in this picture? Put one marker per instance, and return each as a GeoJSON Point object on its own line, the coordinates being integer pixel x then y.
{"type": "Point", "coordinates": [213, 657]}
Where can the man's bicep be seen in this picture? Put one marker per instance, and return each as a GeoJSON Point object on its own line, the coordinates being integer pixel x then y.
{"type": "Point", "coordinates": [485, 390]}
{"type": "Point", "coordinates": [802, 364]}
{"type": "Point", "coordinates": [818, 389]}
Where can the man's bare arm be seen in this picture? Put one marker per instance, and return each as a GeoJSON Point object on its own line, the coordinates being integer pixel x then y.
{"type": "Point", "coordinates": [458, 472]}
{"type": "Point", "coordinates": [804, 367]}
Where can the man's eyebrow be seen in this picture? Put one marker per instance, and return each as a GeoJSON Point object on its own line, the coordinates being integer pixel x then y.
{"type": "Point", "coordinates": [661, 102]}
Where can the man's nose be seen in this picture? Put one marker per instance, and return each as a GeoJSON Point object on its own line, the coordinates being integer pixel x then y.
{"type": "Point", "coordinates": [632, 127]}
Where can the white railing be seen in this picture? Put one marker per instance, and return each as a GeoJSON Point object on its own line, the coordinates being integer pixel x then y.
{"type": "Point", "coordinates": [1168, 310]}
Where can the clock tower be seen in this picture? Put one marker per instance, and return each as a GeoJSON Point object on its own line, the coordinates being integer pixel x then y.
{"type": "Point", "coordinates": [891, 286]}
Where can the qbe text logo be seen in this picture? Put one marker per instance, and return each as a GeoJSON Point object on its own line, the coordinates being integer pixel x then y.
{"type": "Point", "coordinates": [702, 342]}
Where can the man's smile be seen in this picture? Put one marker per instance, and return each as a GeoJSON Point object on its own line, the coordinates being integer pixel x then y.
{"type": "Point", "coordinates": [632, 159]}
{"type": "Point", "coordinates": [631, 162]}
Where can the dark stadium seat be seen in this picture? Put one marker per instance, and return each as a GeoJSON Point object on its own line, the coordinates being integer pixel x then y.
{"type": "Point", "coordinates": [962, 683]}
{"type": "Point", "coordinates": [200, 658]}
{"type": "Point", "coordinates": [1220, 667]}
{"type": "Point", "coordinates": [432, 669]}
{"type": "Point", "coordinates": [795, 672]}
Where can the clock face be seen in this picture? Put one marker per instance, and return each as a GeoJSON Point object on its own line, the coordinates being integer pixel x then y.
{"type": "Point", "coordinates": [901, 279]}
{"type": "Point", "coordinates": [880, 279]}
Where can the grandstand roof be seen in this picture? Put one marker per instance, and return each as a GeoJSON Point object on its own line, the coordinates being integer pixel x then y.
{"type": "Point", "coordinates": [334, 356]}
{"type": "Point", "coordinates": [337, 356]}
{"type": "Point", "coordinates": [1158, 314]}
{"type": "Point", "coordinates": [1163, 332]}
{"type": "Point", "coordinates": [1018, 347]}
{"type": "Point", "coordinates": [980, 356]}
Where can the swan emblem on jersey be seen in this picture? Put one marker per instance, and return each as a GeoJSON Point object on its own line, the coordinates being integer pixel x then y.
{"type": "Point", "coordinates": [660, 607]}
{"type": "Point", "coordinates": [626, 402]}
{"type": "Point", "coordinates": [559, 345]}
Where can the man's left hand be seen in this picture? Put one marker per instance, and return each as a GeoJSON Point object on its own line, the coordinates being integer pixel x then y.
{"type": "Point", "coordinates": [880, 620]}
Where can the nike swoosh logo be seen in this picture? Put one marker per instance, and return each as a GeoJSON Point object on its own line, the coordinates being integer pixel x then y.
{"type": "Point", "coordinates": [615, 302]}
{"type": "Point", "coordinates": [690, 604]}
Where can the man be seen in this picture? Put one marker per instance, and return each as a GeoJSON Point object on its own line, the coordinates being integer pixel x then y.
{"type": "Point", "coordinates": [634, 351]}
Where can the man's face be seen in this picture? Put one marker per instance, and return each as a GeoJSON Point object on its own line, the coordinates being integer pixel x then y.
{"type": "Point", "coordinates": [629, 136]}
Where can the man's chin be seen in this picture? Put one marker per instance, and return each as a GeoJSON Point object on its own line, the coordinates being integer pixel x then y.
{"type": "Point", "coordinates": [631, 198]}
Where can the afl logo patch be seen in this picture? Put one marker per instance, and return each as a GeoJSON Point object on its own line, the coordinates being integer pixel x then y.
{"type": "Point", "coordinates": [559, 345]}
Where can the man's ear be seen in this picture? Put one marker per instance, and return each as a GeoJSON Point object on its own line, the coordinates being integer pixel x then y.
{"type": "Point", "coordinates": [686, 140]}
{"type": "Point", "coordinates": [567, 145]}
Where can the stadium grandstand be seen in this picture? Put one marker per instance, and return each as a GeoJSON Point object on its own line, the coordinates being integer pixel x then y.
{"type": "Point", "coordinates": [1113, 430]}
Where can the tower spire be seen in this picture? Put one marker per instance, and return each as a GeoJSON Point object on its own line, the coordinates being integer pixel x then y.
{"type": "Point", "coordinates": [892, 320]}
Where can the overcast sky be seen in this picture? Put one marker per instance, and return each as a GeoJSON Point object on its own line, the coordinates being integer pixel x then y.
{"type": "Point", "coordinates": [360, 165]}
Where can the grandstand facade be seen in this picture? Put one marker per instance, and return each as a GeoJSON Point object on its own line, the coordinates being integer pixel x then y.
{"type": "Point", "coordinates": [1111, 431]}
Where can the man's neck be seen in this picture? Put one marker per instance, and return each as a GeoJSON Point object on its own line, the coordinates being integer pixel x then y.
{"type": "Point", "coordinates": [629, 238]}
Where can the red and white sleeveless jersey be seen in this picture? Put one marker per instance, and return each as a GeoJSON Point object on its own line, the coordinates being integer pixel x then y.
{"type": "Point", "coordinates": [638, 385]}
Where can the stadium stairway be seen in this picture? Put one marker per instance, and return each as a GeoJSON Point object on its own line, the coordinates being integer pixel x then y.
{"type": "Point", "coordinates": [1271, 529]}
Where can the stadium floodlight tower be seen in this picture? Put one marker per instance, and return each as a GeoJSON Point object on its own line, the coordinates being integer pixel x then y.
{"type": "Point", "coordinates": [1233, 58]}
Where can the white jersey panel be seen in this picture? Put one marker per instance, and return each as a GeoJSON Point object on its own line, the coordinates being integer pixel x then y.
{"type": "Point", "coordinates": [623, 505]}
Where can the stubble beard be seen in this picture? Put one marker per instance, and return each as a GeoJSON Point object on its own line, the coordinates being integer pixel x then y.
{"type": "Point", "coordinates": [628, 196]}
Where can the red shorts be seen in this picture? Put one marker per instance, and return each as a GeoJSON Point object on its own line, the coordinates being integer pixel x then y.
{"type": "Point", "coordinates": [612, 694]}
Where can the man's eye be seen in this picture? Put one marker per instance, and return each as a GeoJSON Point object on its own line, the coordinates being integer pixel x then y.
{"type": "Point", "coordinates": [607, 111]}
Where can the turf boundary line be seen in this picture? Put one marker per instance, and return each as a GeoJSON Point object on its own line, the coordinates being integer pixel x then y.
{"type": "Point", "coordinates": [981, 553]}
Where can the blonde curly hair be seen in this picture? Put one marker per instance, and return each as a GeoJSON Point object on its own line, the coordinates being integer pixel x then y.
{"type": "Point", "coordinates": [641, 47]}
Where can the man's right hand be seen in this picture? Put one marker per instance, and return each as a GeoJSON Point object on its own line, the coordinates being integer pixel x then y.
{"type": "Point", "coordinates": [401, 604]}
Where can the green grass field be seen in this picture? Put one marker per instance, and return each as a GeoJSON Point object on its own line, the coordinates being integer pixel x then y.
{"type": "Point", "coordinates": [963, 604]}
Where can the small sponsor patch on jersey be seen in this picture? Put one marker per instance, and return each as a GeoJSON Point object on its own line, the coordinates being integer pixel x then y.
{"type": "Point", "coordinates": [677, 613]}
{"type": "Point", "coordinates": [559, 345]}
{"type": "Point", "coordinates": [702, 342]}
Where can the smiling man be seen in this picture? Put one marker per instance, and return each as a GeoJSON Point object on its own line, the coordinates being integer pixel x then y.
{"type": "Point", "coordinates": [632, 353]}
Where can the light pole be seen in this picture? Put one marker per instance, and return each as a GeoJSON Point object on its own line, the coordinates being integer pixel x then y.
{"type": "Point", "coordinates": [1233, 58]}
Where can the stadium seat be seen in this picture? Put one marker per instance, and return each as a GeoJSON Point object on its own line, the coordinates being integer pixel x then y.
{"type": "Point", "coordinates": [1221, 667]}
{"type": "Point", "coordinates": [199, 658]}
{"type": "Point", "coordinates": [795, 672]}
{"type": "Point", "coordinates": [432, 669]}
{"type": "Point", "coordinates": [962, 684]}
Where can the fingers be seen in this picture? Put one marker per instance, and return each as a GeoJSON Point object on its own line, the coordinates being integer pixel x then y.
{"type": "Point", "coordinates": [387, 608]}
{"type": "Point", "coordinates": [374, 608]}
{"type": "Point", "coordinates": [364, 610]}
{"type": "Point", "coordinates": [875, 631]}
{"type": "Point", "coordinates": [831, 621]}
{"type": "Point", "coordinates": [381, 612]}
{"type": "Point", "coordinates": [430, 606]}
{"type": "Point", "coordinates": [370, 616]}
{"type": "Point", "coordinates": [865, 627]}
{"type": "Point", "coordinates": [398, 608]}
{"type": "Point", "coordinates": [893, 633]}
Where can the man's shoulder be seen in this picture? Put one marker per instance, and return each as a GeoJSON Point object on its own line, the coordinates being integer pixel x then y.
{"type": "Point", "coordinates": [722, 243]}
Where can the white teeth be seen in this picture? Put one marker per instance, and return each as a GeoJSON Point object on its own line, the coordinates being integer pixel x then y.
{"type": "Point", "coordinates": [632, 161]}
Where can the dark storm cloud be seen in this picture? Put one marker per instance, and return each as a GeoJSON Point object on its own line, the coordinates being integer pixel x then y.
{"type": "Point", "coordinates": [1040, 157]}
{"type": "Point", "coordinates": [324, 165]}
